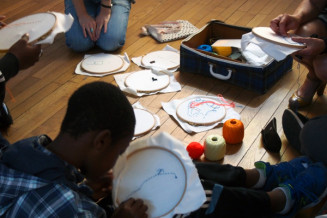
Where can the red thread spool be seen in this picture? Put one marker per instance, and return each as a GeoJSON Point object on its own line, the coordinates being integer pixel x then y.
{"type": "Point", "coordinates": [195, 150]}
{"type": "Point", "coordinates": [233, 131]}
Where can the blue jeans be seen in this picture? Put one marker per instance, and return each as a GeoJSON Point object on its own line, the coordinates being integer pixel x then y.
{"type": "Point", "coordinates": [112, 40]}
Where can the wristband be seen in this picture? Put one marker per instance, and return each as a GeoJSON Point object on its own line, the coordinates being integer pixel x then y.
{"type": "Point", "coordinates": [325, 50]}
{"type": "Point", "coordinates": [106, 6]}
{"type": "Point", "coordinates": [2, 77]}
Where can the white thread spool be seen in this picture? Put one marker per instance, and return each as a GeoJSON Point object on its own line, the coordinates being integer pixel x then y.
{"type": "Point", "coordinates": [214, 147]}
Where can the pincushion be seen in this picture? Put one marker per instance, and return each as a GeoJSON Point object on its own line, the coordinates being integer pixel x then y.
{"type": "Point", "coordinates": [195, 150]}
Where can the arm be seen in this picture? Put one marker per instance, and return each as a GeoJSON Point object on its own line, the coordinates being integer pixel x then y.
{"type": "Point", "coordinates": [306, 11]}
{"type": "Point", "coordinates": [20, 56]}
{"type": "Point", "coordinates": [87, 22]}
{"type": "Point", "coordinates": [8, 69]}
{"type": "Point", "coordinates": [9, 66]}
{"type": "Point", "coordinates": [309, 9]}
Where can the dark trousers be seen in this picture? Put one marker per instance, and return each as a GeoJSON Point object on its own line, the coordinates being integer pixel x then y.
{"type": "Point", "coordinates": [234, 200]}
{"type": "Point", "coordinates": [3, 144]}
{"type": "Point", "coordinates": [313, 138]}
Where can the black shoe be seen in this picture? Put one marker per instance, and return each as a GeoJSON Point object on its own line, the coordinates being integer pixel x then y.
{"type": "Point", "coordinates": [270, 137]}
{"type": "Point", "coordinates": [5, 117]}
{"type": "Point", "coordinates": [292, 125]}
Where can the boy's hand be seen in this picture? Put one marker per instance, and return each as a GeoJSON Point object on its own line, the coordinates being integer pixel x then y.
{"type": "Point", "coordinates": [131, 209]}
{"type": "Point", "coordinates": [26, 54]}
{"type": "Point", "coordinates": [101, 187]}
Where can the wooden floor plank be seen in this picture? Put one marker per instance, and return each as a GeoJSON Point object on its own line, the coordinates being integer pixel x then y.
{"type": "Point", "coordinates": [41, 92]}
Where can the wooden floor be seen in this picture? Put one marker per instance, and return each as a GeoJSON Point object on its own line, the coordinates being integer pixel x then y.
{"type": "Point", "coordinates": [40, 93]}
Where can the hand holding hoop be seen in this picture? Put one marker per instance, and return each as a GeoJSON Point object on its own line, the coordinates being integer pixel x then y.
{"type": "Point", "coordinates": [131, 209]}
{"type": "Point", "coordinates": [314, 46]}
{"type": "Point", "coordinates": [101, 187]}
{"type": "Point", "coordinates": [26, 54]}
{"type": "Point", "coordinates": [284, 23]}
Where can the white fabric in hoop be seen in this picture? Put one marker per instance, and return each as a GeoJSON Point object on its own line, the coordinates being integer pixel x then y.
{"type": "Point", "coordinates": [158, 170]}
{"type": "Point", "coordinates": [36, 25]}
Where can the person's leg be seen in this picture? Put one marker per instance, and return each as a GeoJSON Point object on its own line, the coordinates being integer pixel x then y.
{"type": "Point", "coordinates": [232, 202]}
{"type": "Point", "coordinates": [114, 38]}
{"type": "Point", "coordinates": [303, 96]}
{"type": "Point", "coordinates": [223, 174]}
{"type": "Point", "coordinates": [319, 65]}
{"type": "Point", "coordinates": [74, 36]}
{"type": "Point", "coordinates": [241, 202]}
{"type": "Point", "coordinates": [307, 189]}
{"type": "Point", "coordinates": [313, 138]}
{"type": "Point", "coordinates": [292, 125]}
{"type": "Point", "coordinates": [264, 176]}
{"type": "Point", "coordinates": [270, 176]}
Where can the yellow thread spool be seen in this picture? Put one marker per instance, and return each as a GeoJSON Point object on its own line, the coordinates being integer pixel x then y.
{"type": "Point", "coordinates": [214, 147]}
{"type": "Point", "coordinates": [223, 51]}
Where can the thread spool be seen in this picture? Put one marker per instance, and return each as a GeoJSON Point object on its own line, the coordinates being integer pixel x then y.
{"type": "Point", "coordinates": [205, 48]}
{"type": "Point", "coordinates": [233, 131]}
{"type": "Point", "coordinates": [214, 147]}
{"type": "Point", "coordinates": [223, 51]}
{"type": "Point", "coordinates": [195, 150]}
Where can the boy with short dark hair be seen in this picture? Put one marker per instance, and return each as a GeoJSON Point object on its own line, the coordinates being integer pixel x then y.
{"type": "Point", "coordinates": [44, 178]}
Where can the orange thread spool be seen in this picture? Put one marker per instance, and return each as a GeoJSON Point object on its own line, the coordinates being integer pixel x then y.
{"type": "Point", "coordinates": [233, 131]}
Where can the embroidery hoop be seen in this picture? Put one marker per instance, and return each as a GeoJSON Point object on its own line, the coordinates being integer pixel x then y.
{"type": "Point", "coordinates": [38, 26]}
{"type": "Point", "coordinates": [161, 59]}
{"type": "Point", "coordinates": [102, 63]}
{"type": "Point", "coordinates": [194, 118]}
{"type": "Point", "coordinates": [143, 81]}
{"type": "Point", "coordinates": [139, 161]}
{"type": "Point", "coordinates": [268, 34]}
{"type": "Point", "coordinates": [145, 121]}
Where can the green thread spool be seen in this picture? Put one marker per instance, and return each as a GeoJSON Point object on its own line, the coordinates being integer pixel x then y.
{"type": "Point", "coordinates": [214, 147]}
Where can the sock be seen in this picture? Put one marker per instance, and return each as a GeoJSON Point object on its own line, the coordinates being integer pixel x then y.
{"type": "Point", "coordinates": [289, 201]}
{"type": "Point", "coordinates": [262, 179]}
